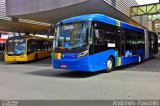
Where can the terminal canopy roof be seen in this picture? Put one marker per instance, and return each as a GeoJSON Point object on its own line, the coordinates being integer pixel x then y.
{"type": "Point", "coordinates": [53, 15]}
{"type": "Point", "coordinates": [6, 25]}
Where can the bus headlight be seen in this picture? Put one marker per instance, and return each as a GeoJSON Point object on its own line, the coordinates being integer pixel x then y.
{"type": "Point", "coordinates": [84, 53]}
{"type": "Point", "coordinates": [23, 55]}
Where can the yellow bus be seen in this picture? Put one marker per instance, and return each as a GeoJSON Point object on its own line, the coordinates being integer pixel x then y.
{"type": "Point", "coordinates": [27, 48]}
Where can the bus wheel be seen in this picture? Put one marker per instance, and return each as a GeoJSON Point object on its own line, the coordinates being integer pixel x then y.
{"type": "Point", "coordinates": [110, 64]}
{"type": "Point", "coordinates": [139, 58]}
{"type": "Point", "coordinates": [36, 56]}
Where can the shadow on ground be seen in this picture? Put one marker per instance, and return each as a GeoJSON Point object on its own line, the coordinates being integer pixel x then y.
{"type": "Point", "coordinates": [151, 65]}
{"type": "Point", "coordinates": [63, 73]}
{"type": "Point", "coordinates": [40, 62]}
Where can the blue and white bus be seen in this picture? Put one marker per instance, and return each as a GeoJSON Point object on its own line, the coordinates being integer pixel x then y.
{"type": "Point", "coordinates": [96, 42]}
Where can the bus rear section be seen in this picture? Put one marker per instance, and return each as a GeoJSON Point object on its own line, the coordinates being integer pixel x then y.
{"type": "Point", "coordinates": [97, 42]}
{"type": "Point", "coordinates": [151, 44]}
{"type": "Point", "coordinates": [38, 48]}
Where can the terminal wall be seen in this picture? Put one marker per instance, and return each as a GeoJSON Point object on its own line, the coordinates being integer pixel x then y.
{"type": "Point", "coordinates": [124, 7]}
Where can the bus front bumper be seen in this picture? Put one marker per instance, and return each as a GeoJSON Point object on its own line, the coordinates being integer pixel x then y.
{"type": "Point", "coordinates": [91, 63]}
{"type": "Point", "coordinates": [16, 58]}
{"type": "Point", "coordinates": [73, 64]}
{"type": "Point", "coordinates": [85, 64]}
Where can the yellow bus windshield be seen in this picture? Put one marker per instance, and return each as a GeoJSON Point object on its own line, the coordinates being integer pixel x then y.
{"type": "Point", "coordinates": [15, 46]}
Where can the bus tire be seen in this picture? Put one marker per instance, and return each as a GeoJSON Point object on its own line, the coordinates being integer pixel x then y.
{"type": "Point", "coordinates": [140, 58]}
{"type": "Point", "coordinates": [110, 64]}
{"type": "Point", "coordinates": [36, 56]}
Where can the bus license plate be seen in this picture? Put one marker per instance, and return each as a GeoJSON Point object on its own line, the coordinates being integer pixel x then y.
{"type": "Point", "coordinates": [63, 66]}
{"type": "Point", "coordinates": [14, 59]}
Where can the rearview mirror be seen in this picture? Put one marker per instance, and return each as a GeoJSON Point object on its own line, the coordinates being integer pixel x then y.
{"type": "Point", "coordinates": [51, 30]}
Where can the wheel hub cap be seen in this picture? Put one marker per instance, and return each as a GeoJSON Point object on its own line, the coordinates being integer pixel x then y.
{"type": "Point", "coordinates": [109, 64]}
{"type": "Point", "coordinates": [139, 59]}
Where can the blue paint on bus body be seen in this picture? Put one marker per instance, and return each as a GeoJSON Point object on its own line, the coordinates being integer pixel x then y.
{"type": "Point", "coordinates": [93, 63]}
{"type": "Point", "coordinates": [90, 63]}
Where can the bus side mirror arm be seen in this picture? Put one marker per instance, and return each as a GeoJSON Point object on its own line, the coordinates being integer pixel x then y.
{"type": "Point", "coordinates": [52, 27]}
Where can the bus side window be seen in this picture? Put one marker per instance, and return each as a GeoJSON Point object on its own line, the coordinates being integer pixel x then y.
{"type": "Point", "coordinates": [30, 46]}
{"type": "Point", "coordinates": [50, 46]}
{"type": "Point", "coordinates": [46, 45]}
{"type": "Point", "coordinates": [34, 44]}
{"type": "Point", "coordinates": [110, 38]}
{"type": "Point", "coordinates": [99, 35]}
{"type": "Point", "coordinates": [128, 40]}
{"type": "Point", "coordinates": [140, 41]}
{"type": "Point", "coordinates": [40, 45]}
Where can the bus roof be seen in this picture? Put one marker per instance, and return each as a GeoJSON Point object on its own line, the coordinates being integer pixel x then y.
{"type": "Point", "coordinates": [102, 18]}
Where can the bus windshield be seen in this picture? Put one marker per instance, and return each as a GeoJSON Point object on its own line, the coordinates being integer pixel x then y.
{"type": "Point", "coordinates": [71, 35]}
{"type": "Point", "coordinates": [15, 46]}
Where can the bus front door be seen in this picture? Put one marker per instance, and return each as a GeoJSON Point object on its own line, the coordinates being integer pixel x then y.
{"type": "Point", "coordinates": [120, 42]}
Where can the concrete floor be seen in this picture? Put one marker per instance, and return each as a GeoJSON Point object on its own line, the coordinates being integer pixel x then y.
{"type": "Point", "coordinates": [39, 81]}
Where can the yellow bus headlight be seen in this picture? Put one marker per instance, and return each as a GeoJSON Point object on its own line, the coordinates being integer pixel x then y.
{"type": "Point", "coordinates": [23, 55]}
